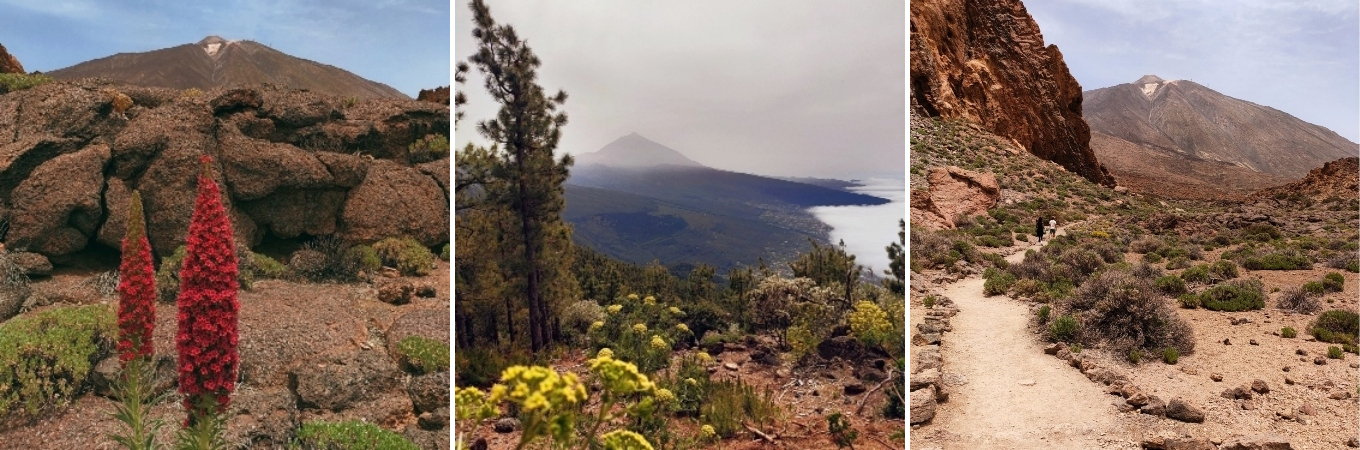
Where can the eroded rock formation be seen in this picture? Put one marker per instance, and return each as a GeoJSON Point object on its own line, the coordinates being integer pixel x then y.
{"type": "Point", "coordinates": [8, 63]}
{"type": "Point", "coordinates": [985, 61]}
{"type": "Point", "coordinates": [954, 193]}
{"type": "Point", "coordinates": [293, 163]}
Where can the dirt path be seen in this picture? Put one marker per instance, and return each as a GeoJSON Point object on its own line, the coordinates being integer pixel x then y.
{"type": "Point", "coordinates": [1013, 396]}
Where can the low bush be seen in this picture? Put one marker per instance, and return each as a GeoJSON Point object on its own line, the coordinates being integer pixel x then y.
{"type": "Point", "coordinates": [1288, 332]}
{"type": "Point", "coordinates": [1170, 355]}
{"type": "Point", "coordinates": [1189, 300]}
{"type": "Point", "coordinates": [266, 267]}
{"type": "Point", "coordinates": [1286, 260]}
{"type": "Point", "coordinates": [482, 366]}
{"type": "Point", "coordinates": [429, 148]}
{"type": "Point", "coordinates": [1152, 258]}
{"type": "Point", "coordinates": [11, 82]}
{"type": "Point", "coordinates": [422, 355]}
{"type": "Point", "coordinates": [1337, 326]}
{"type": "Point", "coordinates": [1313, 288]}
{"type": "Point", "coordinates": [1126, 313]}
{"type": "Point", "coordinates": [731, 404]}
{"type": "Point", "coordinates": [1234, 295]}
{"type": "Point", "coordinates": [1218, 271]}
{"type": "Point", "coordinates": [444, 254]}
{"type": "Point", "coordinates": [46, 358]}
{"type": "Point", "coordinates": [1063, 329]}
{"type": "Point", "coordinates": [1146, 245]}
{"type": "Point", "coordinates": [1297, 300]}
{"type": "Point", "coordinates": [349, 435]}
{"type": "Point", "coordinates": [1179, 262]}
{"type": "Point", "coordinates": [1135, 356]}
{"type": "Point", "coordinates": [1171, 284]}
{"type": "Point", "coordinates": [406, 254]}
{"type": "Point", "coordinates": [1333, 282]}
{"type": "Point", "coordinates": [1334, 352]}
{"type": "Point", "coordinates": [1261, 232]}
{"type": "Point", "coordinates": [1347, 260]}
{"type": "Point", "coordinates": [997, 282]}
{"type": "Point", "coordinates": [1043, 314]}
{"type": "Point", "coordinates": [361, 258]}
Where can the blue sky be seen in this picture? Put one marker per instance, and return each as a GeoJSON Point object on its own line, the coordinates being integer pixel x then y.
{"type": "Point", "coordinates": [402, 43]}
{"type": "Point", "coordinates": [1300, 57]}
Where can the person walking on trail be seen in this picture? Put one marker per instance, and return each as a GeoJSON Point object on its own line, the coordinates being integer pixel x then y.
{"type": "Point", "coordinates": [1052, 229]}
{"type": "Point", "coordinates": [1039, 228]}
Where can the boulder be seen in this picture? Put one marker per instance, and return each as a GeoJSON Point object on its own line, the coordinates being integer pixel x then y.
{"type": "Point", "coordinates": [1256, 442]}
{"type": "Point", "coordinates": [10, 64]}
{"type": "Point", "coordinates": [922, 405]}
{"type": "Point", "coordinates": [954, 193]}
{"type": "Point", "coordinates": [925, 378]}
{"type": "Point", "coordinates": [1260, 386]}
{"type": "Point", "coordinates": [1180, 410]}
{"type": "Point", "coordinates": [1155, 406]}
{"type": "Point", "coordinates": [58, 207]}
{"type": "Point", "coordinates": [429, 392]}
{"type": "Point", "coordinates": [340, 381]}
{"type": "Point", "coordinates": [394, 200]}
{"type": "Point", "coordinates": [31, 264]}
{"type": "Point", "coordinates": [506, 425]}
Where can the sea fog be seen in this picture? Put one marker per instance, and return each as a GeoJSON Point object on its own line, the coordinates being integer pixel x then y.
{"type": "Point", "coordinates": [867, 230]}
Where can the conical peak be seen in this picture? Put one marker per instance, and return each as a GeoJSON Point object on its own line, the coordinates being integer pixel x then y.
{"type": "Point", "coordinates": [1149, 79]}
{"type": "Point", "coordinates": [212, 40]}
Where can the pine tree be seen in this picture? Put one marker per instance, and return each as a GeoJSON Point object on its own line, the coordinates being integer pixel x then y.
{"type": "Point", "coordinates": [526, 129]}
{"type": "Point", "coordinates": [897, 268]}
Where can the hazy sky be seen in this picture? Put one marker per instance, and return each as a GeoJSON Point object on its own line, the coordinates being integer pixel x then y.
{"type": "Point", "coordinates": [402, 43]}
{"type": "Point", "coordinates": [1300, 57]}
{"type": "Point", "coordinates": [810, 88]}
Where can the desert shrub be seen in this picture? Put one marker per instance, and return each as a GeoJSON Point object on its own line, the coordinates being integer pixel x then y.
{"type": "Point", "coordinates": [349, 435]}
{"type": "Point", "coordinates": [482, 365]}
{"type": "Point", "coordinates": [1348, 261]}
{"type": "Point", "coordinates": [1234, 295]}
{"type": "Point", "coordinates": [577, 318]}
{"type": "Point", "coordinates": [266, 267]}
{"type": "Point", "coordinates": [869, 323]}
{"type": "Point", "coordinates": [309, 264]}
{"type": "Point", "coordinates": [1083, 262]}
{"type": "Point", "coordinates": [929, 248]}
{"type": "Point", "coordinates": [46, 357]}
{"type": "Point", "coordinates": [406, 254]}
{"type": "Point", "coordinates": [730, 403]}
{"type": "Point", "coordinates": [444, 254]}
{"type": "Point", "coordinates": [1135, 356]}
{"type": "Point", "coordinates": [1147, 271]}
{"type": "Point", "coordinates": [1334, 352]}
{"type": "Point", "coordinates": [1034, 267]}
{"type": "Point", "coordinates": [1171, 284]}
{"type": "Point", "coordinates": [11, 82]}
{"type": "Point", "coordinates": [361, 258]}
{"type": "Point", "coordinates": [998, 282]}
{"type": "Point", "coordinates": [1178, 262]}
{"type": "Point", "coordinates": [1297, 300]}
{"type": "Point", "coordinates": [328, 258]}
{"type": "Point", "coordinates": [1261, 232]}
{"type": "Point", "coordinates": [1337, 326]}
{"type": "Point", "coordinates": [1288, 332]}
{"type": "Point", "coordinates": [704, 316]}
{"type": "Point", "coordinates": [421, 355]}
{"type": "Point", "coordinates": [996, 260]}
{"type": "Point", "coordinates": [1025, 287]}
{"type": "Point", "coordinates": [1146, 245]}
{"type": "Point", "coordinates": [1064, 328]}
{"type": "Point", "coordinates": [929, 301]}
{"type": "Point", "coordinates": [429, 148]}
{"type": "Point", "coordinates": [1126, 312]}
{"type": "Point", "coordinates": [1170, 355]}
{"type": "Point", "coordinates": [1108, 251]}
{"type": "Point", "coordinates": [1313, 288]}
{"type": "Point", "coordinates": [1284, 260]}
{"type": "Point", "coordinates": [1188, 300]}
{"type": "Point", "coordinates": [1152, 258]}
{"type": "Point", "coordinates": [1043, 314]}
{"type": "Point", "coordinates": [1333, 282]}
{"type": "Point", "coordinates": [1221, 270]}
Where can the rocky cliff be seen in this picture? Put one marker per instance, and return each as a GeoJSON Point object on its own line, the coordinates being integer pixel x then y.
{"type": "Point", "coordinates": [985, 61]}
{"type": "Point", "coordinates": [293, 162]}
{"type": "Point", "coordinates": [8, 63]}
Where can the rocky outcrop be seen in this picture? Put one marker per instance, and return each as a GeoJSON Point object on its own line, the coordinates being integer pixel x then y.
{"type": "Point", "coordinates": [8, 63]}
{"type": "Point", "coordinates": [1340, 178]}
{"type": "Point", "coordinates": [293, 162]}
{"type": "Point", "coordinates": [437, 95]}
{"type": "Point", "coordinates": [954, 194]}
{"type": "Point", "coordinates": [984, 61]}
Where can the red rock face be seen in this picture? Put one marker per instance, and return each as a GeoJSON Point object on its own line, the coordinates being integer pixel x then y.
{"type": "Point", "coordinates": [436, 95]}
{"type": "Point", "coordinates": [954, 193]}
{"type": "Point", "coordinates": [8, 64]}
{"type": "Point", "coordinates": [985, 61]}
{"type": "Point", "coordinates": [1337, 178]}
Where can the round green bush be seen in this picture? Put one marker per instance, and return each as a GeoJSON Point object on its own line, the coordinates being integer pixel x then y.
{"type": "Point", "coordinates": [1337, 326]}
{"type": "Point", "coordinates": [1333, 282]}
{"type": "Point", "coordinates": [1171, 284]}
{"type": "Point", "coordinates": [47, 357]}
{"type": "Point", "coordinates": [1064, 329]}
{"type": "Point", "coordinates": [362, 258]}
{"type": "Point", "coordinates": [1170, 355]}
{"type": "Point", "coordinates": [1334, 352]}
{"type": "Point", "coordinates": [423, 355]}
{"type": "Point", "coordinates": [1043, 313]}
{"type": "Point", "coordinates": [407, 255]}
{"type": "Point", "coordinates": [350, 435]}
{"type": "Point", "coordinates": [1152, 258]}
{"type": "Point", "coordinates": [1234, 295]}
{"type": "Point", "coordinates": [1288, 332]}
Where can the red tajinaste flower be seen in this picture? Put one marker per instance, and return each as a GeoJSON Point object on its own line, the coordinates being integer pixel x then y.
{"type": "Point", "coordinates": [136, 289]}
{"type": "Point", "coordinates": [207, 339]}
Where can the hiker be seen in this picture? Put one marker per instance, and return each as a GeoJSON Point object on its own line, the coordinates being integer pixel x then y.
{"type": "Point", "coordinates": [1052, 229]}
{"type": "Point", "coordinates": [1039, 228]}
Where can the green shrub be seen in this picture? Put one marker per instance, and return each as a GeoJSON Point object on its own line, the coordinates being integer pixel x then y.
{"type": "Point", "coordinates": [423, 355]}
{"type": "Point", "coordinates": [1333, 282]}
{"type": "Point", "coordinates": [362, 258]}
{"type": "Point", "coordinates": [1337, 326]}
{"type": "Point", "coordinates": [732, 403]}
{"type": "Point", "coordinates": [1261, 232]}
{"type": "Point", "coordinates": [444, 254]}
{"type": "Point", "coordinates": [1288, 332]}
{"type": "Point", "coordinates": [46, 357]}
{"type": "Point", "coordinates": [1152, 258]}
{"type": "Point", "coordinates": [1171, 284]}
{"type": "Point", "coordinates": [929, 301]}
{"type": "Point", "coordinates": [406, 254]}
{"type": "Point", "coordinates": [350, 435]}
{"type": "Point", "coordinates": [1170, 355]}
{"type": "Point", "coordinates": [1334, 352]}
{"type": "Point", "coordinates": [429, 148]}
{"type": "Point", "coordinates": [998, 282]}
{"type": "Point", "coordinates": [1179, 262]}
{"type": "Point", "coordinates": [482, 366]}
{"type": "Point", "coordinates": [1234, 295]}
{"type": "Point", "coordinates": [1135, 355]}
{"type": "Point", "coordinates": [1063, 329]}
{"type": "Point", "coordinates": [11, 82]}
{"type": "Point", "coordinates": [1279, 261]}
{"type": "Point", "coordinates": [1189, 300]}
{"type": "Point", "coordinates": [1043, 314]}
{"type": "Point", "coordinates": [1126, 312]}
{"type": "Point", "coordinates": [266, 267]}
{"type": "Point", "coordinates": [1313, 288]}
{"type": "Point", "coordinates": [167, 276]}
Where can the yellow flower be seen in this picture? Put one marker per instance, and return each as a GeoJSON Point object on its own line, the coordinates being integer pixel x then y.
{"type": "Point", "coordinates": [624, 440]}
{"type": "Point", "coordinates": [538, 389]}
{"type": "Point", "coordinates": [640, 328]}
{"type": "Point", "coordinates": [659, 343]}
{"type": "Point", "coordinates": [682, 327]}
{"type": "Point", "coordinates": [470, 403]}
{"type": "Point", "coordinates": [597, 325]}
{"type": "Point", "coordinates": [708, 432]}
{"type": "Point", "coordinates": [677, 311]}
{"type": "Point", "coordinates": [620, 377]}
{"type": "Point", "coordinates": [649, 300]}
{"type": "Point", "coordinates": [664, 395]}
{"type": "Point", "coordinates": [605, 353]}
{"type": "Point", "coordinates": [704, 357]}
{"type": "Point", "coordinates": [632, 296]}
{"type": "Point", "coordinates": [691, 381]}
{"type": "Point", "coordinates": [614, 308]}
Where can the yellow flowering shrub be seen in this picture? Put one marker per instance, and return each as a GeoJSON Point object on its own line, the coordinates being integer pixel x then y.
{"type": "Point", "coordinates": [659, 343]}
{"type": "Point", "coordinates": [650, 300]}
{"type": "Point", "coordinates": [869, 323]}
{"type": "Point", "coordinates": [640, 328]}
{"type": "Point", "coordinates": [682, 327]}
{"type": "Point", "coordinates": [676, 311]}
{"type": "Point", "coordinates": [614, 309]}
{"type": "Point", "coordinates": [619, 377]}
{"type": "Point", "coordinates": [631, 329]}
{"type": "Point", "coordinates": [624, 440]}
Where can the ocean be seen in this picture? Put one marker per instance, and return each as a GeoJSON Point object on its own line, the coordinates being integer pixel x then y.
{"type": "Point", "coordinates": [867, 230]}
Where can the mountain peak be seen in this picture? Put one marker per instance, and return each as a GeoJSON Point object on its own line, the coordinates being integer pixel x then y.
{"type": "Point", "coordinates": [636, 151]}
{"type": "Point", "coordinates": [214, 39]}
{"type": "Point", "coordinates": [1149, 79]}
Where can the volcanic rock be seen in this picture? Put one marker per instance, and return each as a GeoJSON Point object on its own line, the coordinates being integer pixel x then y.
{"type": "Point", "coordinates": [8, 63]}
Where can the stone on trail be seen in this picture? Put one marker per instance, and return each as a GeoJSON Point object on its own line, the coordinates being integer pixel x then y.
{"type": "Point", "coordinates": [922, 405]}
{"type": "Point", "coordinates": [1180, 410]}
{"type": "Point", "coordinates": [1257, 442]}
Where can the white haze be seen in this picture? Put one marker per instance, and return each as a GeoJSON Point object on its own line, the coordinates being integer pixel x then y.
{"type": "Point", "coordinates": [867, 230]}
